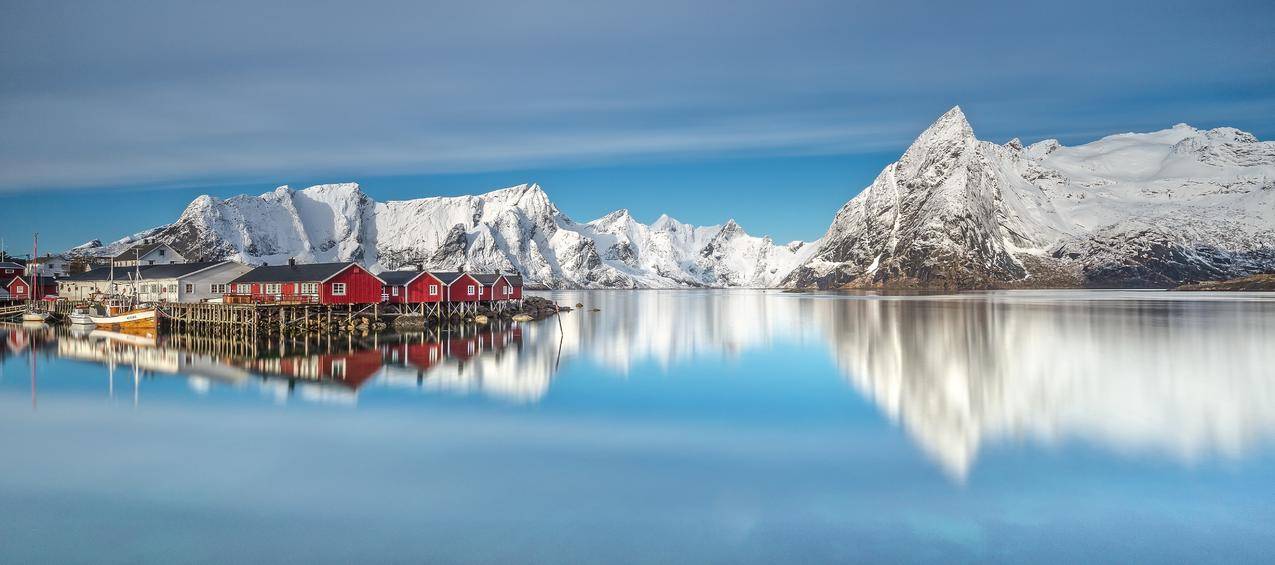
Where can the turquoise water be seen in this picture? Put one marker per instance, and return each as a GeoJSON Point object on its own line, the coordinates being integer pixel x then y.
{"type": "Point", "coordinates": [680, 426]}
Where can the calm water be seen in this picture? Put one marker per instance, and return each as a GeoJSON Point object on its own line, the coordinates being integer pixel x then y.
{"type": "Point", "coordinates": [677, 426]}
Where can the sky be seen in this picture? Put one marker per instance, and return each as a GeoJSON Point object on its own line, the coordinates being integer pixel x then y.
{"type": "Point", "coordinates": [113, 116]}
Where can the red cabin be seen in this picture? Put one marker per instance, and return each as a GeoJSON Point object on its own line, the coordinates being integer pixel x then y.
{"type": "Point", "coordinates": [321, 283]}
{"type": "Point", "coordinates": [461, 287]}
{"type": "Point", "coordinates": [515, 286]}
{"type": "Point", "coordinates": [495, 287]}
{"type": "Point", "coordinates": [20, 288]}
{"type": "Point", "coordinates": [413, 287]}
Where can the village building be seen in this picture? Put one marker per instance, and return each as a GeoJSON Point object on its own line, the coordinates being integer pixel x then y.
{"type": "Point", "coordinates": [495, 287]}
{"type": "Point", "coordinates": [30, 288]}
{"type": "Point", "coordinates": [321, 283]}
{"type": "Point", "coordinates": [52, 265]}
{"type": "Point", "coordinates": [148, 253]}
{"type": "Point", "coordinates": [412, 287]}
{"type": "Point", "coordinates": [461, 287]}
{"type": "Point", "coordinates": [9, 269]}
{"type": "Point", "coordinates": [515, 285]}
{"type": "Point", "coordinates": [185, 282]}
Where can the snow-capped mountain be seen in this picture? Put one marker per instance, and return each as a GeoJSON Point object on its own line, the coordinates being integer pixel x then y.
{"type": "Point", "coordinates": [1129, 210]}
{"type": "Point", "coordinates": [514, 229]}
{"type": "Point", "coordinates": [1151, 209]}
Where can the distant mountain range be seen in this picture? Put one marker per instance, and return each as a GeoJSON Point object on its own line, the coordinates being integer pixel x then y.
{"type": "Point", "coordinates": [1129, 210]}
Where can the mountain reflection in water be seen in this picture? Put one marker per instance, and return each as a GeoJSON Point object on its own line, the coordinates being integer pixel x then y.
{"type": "Point", "coordinates": [1180, 376]}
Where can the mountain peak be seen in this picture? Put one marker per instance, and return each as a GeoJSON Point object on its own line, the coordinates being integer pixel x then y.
{"type": "Point", "coordinates": [951, 124]}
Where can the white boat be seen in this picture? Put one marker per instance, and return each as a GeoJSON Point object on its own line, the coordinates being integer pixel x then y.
{"type": "Point", "coordinates": [81, 316]}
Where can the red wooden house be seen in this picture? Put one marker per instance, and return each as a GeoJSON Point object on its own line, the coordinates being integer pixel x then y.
{"type": "Point", "coordinates": [413, 287]}
{"type": "Point", "coordinates": [515, 286]}
{"type": "Point", "coordinates": [321, 283]}
{"type": "Point", "coordinates": [461, 287]}
{"type": "Point", "coordinates": [495, 287]}
{"type": "Point", "coordinates": [20, 288]}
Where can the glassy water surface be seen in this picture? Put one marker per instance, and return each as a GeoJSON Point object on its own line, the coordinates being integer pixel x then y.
{"type": "Point", "coordinates": [679, 426]}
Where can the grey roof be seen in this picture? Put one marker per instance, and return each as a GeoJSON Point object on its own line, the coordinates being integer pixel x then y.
{"type": "Point", "coordinates": [172, 271]}
{"type": "Point", "coordinates": [313, 272]}
{"type": "Point", "coordinates": [141, 249]}
{"type": "Point", "coordinates": [399, 278]}
{"type": "Point", "coordinates": [11, 265]}
{"type": "Point", "coordinates": [98, 274]}
{"type": "Point", "coordinates": [515, 280]}
{"type": "Point", "coordinates": [487, 278]}
{"type": "Point", "coordinates": [448, 277]}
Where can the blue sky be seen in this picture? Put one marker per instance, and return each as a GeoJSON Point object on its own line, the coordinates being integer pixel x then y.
{"type": "Point", "coordinates": [114, 115]}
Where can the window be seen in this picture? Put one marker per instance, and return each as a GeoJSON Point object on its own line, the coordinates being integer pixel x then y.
{"type": "Point", "coordinates": [217, 288]}
{"type": "Point", "coordinates": [161, 252]}
{"type": "Point", "coordinates": [338, 289]}
{"type": "Point", "coordinates": [243, 288]}
{"type": "Point", "coordinates": [394, 290]}
{"type": "Point", "coordinates": [309, 288]}
{"type": "Point", "coordinates": [471, 289]}
{"type": "Point", "coordinates": [150, 262]}
{"type": "Point", "coordinates": [433, 289]}
{"type": "Point", "coordinates": [19, 289]}
{"type": "Point", "coordinates": [190, 288]}
{"type": "Point", "coordinates": [272, 288]}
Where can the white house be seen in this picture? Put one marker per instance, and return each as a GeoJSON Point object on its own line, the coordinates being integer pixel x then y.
{"type": "Point", "coordinates": [50, 266]}
{"type": "Point", "coordinates": [183, 282]}
{"type": "Point", "coordinates": [149, 253]}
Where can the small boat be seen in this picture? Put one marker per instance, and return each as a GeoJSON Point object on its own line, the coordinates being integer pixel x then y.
{"type": "Point", "coordinates": [136, 319]}
{"type": "Point", "coordinates": [81, 316]}
{"type": "Point", "coordinates": [33, 316]}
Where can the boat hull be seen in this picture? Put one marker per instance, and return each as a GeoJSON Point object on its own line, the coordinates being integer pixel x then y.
{"type": "Point", "coordinates": [35, 317]}
{"type": "Point", "coordinates": [132, 320]}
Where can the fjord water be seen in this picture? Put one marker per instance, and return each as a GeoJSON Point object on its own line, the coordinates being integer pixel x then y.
{"type": "Point", "coordinates": [668, 426]}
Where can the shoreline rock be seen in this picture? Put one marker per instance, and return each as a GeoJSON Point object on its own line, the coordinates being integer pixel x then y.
{"type": "Point", "coordinates": [1263, 282]}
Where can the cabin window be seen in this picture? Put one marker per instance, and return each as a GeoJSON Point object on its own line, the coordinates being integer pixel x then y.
{"type": "Point", "coordinates": [20, 289]}
{"type": "Point", "coordinates": [190, 288]}
{"type": "Point", "coordinates": [309, 288]}
{"type": "Point", "coordinates": [272, 288]}
{"type": "Point", "coordinates": [394, 290]}
{"type": "Point", "coordinates": [338, 289]}
{"type": "Point", "coordinates": [433, 289]}
{"type": "Point", "coordinates": [217, 288]}
{"type": "Point", "coordinates": [471, 289]}
{"type": "Point", "coordinates": [161, 252]}
{"type": "Point", "coordinates": [243, 288]}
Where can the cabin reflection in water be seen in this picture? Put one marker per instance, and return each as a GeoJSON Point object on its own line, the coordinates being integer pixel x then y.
{"type": "Point", "coordinates": [464, 359]}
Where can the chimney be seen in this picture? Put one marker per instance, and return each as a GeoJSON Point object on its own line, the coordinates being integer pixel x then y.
{"type": "Point", "coordinates": [292, 262]}
{"type": "Point", "coordinates": [421, 267]}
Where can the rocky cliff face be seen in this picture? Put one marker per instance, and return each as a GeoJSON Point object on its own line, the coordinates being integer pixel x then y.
{"type": "Point", "coordinates": [1130, 210]}
{"type": "Point", "coordinates": [514, 229]}
{"type": "Point", "coordinates": [1137, 210]}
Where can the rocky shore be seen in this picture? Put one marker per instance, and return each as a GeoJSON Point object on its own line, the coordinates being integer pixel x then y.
{"type": "Point", "coordinates": [1249, 283]}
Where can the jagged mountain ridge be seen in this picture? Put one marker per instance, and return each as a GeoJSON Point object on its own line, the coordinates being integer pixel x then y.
{"type": "Point", "coordinates": [1131, 210]}
{"type": "Point", "coordinates": [1128, 210]}
{"type": "Point", "coordinates": [516, 229]}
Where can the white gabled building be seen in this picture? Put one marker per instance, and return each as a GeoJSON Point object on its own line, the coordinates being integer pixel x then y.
{"type": "Point", "coordinates": [183, 282]}
{"type": "Point", "coordinates": [148, 253]}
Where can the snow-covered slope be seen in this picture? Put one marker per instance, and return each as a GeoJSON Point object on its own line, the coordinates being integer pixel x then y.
{"type": "Point", "coordinates": [514, 229]}
{"type": "Point", "coordinates": [1149, 209]}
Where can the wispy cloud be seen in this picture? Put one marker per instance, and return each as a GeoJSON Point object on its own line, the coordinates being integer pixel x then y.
{"type": "Point", "coordinates": [98, 95]}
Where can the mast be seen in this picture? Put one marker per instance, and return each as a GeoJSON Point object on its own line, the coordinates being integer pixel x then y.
{"type": "Point", "coordinates": [35, 266]}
